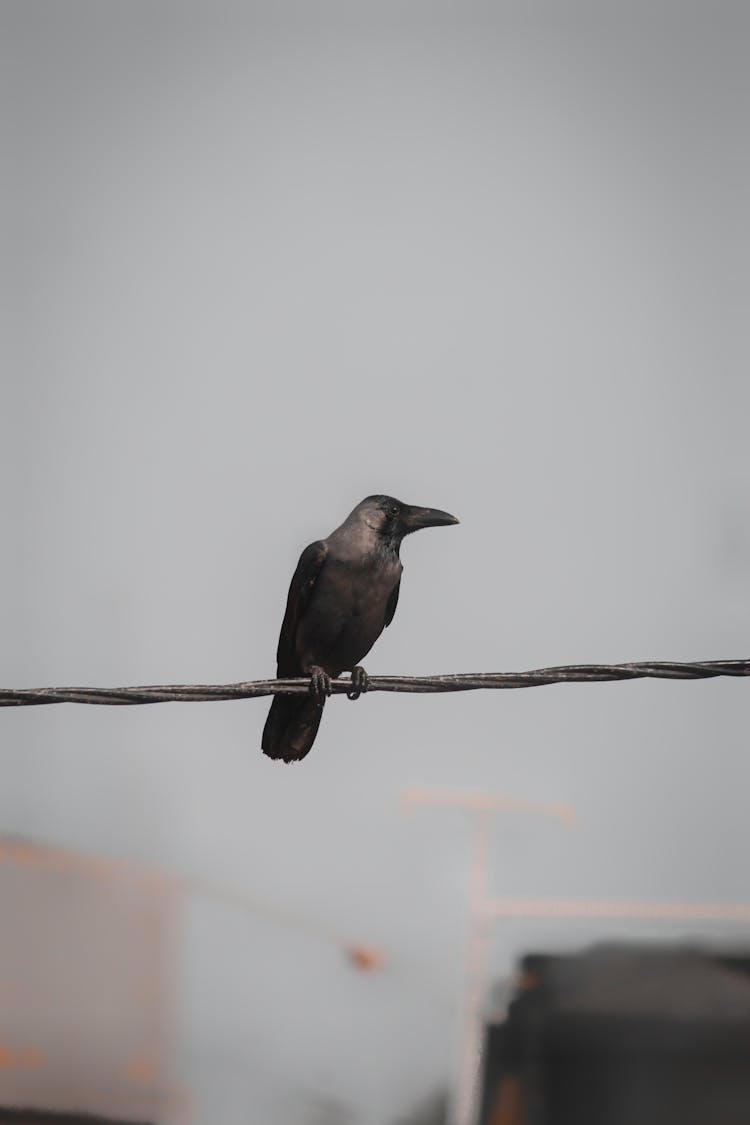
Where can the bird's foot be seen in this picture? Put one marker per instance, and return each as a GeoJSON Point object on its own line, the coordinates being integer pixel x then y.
{"type": "Point", "coordinates": [360, 683]}
{"type": "Point", "coordinates": [320, 683]}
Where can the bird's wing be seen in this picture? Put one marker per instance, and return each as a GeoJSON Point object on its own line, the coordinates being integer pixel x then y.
{"type": "Point", "coordinates": [300, 591]}
{"type": "Point", "coordinates": [390, 608]}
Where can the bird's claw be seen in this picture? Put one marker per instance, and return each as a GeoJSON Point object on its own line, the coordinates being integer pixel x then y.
{"type": "Point", "coordinates": [360, 683]}
{"type": "Point", "coordinates": [320, 683]}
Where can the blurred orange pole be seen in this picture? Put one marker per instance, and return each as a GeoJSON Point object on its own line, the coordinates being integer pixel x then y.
{"type": "Point", "coordinates": [481, 807]}
{"type": "Point", "coordinates": [476, 801]}
{"type": "Point", "coordinates": [476, 967]}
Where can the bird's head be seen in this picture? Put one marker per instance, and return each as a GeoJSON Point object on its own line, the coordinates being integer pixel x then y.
{"type": "Point", "coordinates": [391, 519]}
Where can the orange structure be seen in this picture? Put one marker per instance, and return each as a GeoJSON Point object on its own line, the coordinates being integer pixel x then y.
{"type": "Point", "coordinates": [481, 808]}
{"type": "Point", "coordinates": [85, 949]}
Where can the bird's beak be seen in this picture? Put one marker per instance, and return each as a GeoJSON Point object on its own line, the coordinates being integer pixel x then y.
{"type": "Point", "coordinates": [412, 519]}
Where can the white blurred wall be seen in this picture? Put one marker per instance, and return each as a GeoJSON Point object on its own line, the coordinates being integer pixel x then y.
{"type": "Point", "coordinates": [263, 259]}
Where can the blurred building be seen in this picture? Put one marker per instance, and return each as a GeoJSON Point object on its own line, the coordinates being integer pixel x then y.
{"type": "Point", "coordinates": [622, 1036]}
{"type": "Point", "coordinates": [85, 949]}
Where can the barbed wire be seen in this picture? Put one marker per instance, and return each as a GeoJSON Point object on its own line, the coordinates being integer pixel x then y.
{"type": "Point", "coordinates": [471, 681]}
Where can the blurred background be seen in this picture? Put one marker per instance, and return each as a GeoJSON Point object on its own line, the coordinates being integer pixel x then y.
{"type": "Point", "coordinates": [260, 260]}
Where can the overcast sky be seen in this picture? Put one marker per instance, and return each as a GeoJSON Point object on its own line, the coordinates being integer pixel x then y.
{"type": "Point", "coordinates": [264, 259]}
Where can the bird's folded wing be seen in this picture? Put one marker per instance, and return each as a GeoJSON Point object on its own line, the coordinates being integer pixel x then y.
{"type": "Point", "coordinates": [300, 591]}
{"type": "Point", "coordinates": [390, 609]}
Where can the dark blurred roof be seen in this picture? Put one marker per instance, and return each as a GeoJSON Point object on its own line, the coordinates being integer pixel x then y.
{"type": "Point", "coordinates": [627, 1035]}
{"type": "Point", "coordinates": [628, 981]}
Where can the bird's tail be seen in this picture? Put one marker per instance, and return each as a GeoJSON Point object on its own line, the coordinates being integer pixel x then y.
{"type": "Point", "coordinates": [291, 726]}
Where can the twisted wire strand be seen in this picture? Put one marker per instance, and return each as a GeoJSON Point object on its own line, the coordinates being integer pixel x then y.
{"type": "Point", "coordinates": [471, 681]}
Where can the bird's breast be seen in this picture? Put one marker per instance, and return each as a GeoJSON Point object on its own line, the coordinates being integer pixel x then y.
{"type": "Point", "coordinates": [347, 614]}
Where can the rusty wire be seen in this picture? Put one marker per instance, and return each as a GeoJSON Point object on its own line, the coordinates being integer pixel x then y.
{"type": "Point", "coordinates": [472, 681]}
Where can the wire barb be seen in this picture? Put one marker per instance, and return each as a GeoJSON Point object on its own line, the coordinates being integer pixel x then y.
{"type": "Point", "coordinates": [471, 681]}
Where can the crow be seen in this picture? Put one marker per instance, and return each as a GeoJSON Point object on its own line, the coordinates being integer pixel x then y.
{"type": "Point", "coordinates": [343, 594]}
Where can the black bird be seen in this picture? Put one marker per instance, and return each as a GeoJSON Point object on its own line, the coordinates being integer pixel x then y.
{"type": "Point", "coordinates": [343, 594]}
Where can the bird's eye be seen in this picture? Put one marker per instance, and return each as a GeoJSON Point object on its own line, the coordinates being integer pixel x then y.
{"type": "Point", "coordinates": [393, 510]}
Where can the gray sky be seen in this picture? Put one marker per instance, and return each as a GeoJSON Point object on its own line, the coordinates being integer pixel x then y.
{"type": "Point", "coordinates": [264, 259]}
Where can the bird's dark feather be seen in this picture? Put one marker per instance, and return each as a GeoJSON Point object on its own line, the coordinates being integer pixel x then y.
{"type": "Point", "coordinates": [291, 727]}
{"type": "Point", "coordinates": [300, 591]}
{"type": "Point", "coordinates": [390, 608]}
